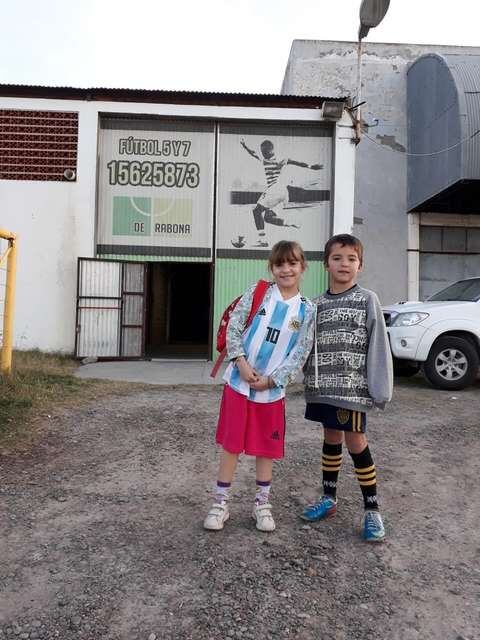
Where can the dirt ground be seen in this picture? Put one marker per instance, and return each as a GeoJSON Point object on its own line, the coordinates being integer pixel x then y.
{"type": "Point", "coordinates": [101, 534]}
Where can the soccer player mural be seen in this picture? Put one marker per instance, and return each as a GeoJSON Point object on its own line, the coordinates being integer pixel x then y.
{"type": "Point", "coordinates": [274, 183]}
{"type": "Point", "coordinates": [275, 194]}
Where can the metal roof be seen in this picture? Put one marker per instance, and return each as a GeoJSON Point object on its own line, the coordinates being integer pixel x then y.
{"type": "Point", "coordinates": [443, 110]}
{"type": "Point", "coordinates": [465, 71]}
{"type": "Point", "coordinates": [162, 96]}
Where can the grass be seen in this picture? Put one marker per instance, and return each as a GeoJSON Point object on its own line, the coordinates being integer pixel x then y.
{"type": "Point", "coordinates": [40, 384]}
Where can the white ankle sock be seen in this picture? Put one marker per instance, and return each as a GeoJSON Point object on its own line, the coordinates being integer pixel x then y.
{"type": "Point", "coordinates": [263, 492]}
{"type": "Point", "coordinates": [221, 491]}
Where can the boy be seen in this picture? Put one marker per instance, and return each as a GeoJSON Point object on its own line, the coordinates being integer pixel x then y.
{"type": "Point", "coordinates": [275, 193]}
{"type": "Point", "coordinates": [348, 372]}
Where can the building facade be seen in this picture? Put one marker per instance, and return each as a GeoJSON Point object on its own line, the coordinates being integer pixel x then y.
{"type": "Point", "coordinates": [141, 214]}
{"type": "Point", "coordinates": [418, 119]}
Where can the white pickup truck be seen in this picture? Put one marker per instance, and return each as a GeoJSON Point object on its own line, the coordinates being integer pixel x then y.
{"type": "Point", "coordinates": [442, 335]}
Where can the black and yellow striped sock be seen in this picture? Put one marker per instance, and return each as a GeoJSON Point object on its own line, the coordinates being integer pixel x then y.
{"type": "Point", "coordinates": [331, 463]}
{"type": "Point", "coordinates": [367, 477]}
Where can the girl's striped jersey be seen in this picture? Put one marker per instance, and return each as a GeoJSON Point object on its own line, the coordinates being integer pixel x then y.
{"type": "Point", "coordinates": [276, 343]}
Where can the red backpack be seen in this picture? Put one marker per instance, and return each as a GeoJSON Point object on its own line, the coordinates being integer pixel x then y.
{"type": "Point", "coordinates": [258, 295]}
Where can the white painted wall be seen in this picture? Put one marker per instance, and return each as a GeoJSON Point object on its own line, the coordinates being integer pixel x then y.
{"type": "Point", "coordinates": [55, 221]}
{"type": "Point", "coordinates": [413, 290]}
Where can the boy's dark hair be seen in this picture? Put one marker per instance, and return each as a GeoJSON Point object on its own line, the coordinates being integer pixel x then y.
{"type": "Point", "coordinates": [286, 250]}
{"type": "Point", "coordinates": [266, 144]}
{"type": "Point", "coordinates": [344, 240]}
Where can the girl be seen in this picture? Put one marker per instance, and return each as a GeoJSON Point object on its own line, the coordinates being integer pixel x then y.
{"type": "Point", "coordinates": [264, 358]}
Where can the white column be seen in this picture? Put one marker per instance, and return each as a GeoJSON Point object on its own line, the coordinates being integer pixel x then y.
{"type": "Point", "coordinates": [343, 177]}
{"type": "Point", "coordinates": [413, 263]}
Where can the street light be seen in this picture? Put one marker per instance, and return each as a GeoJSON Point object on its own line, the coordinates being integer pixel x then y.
{"type": "Point", "coordinates": [372, 12]}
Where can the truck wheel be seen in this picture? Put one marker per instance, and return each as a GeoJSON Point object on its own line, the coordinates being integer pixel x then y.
{"type": "Point", "coordinates": [405, 368]}
{"type": "Point", "coordinates": [452, 363]}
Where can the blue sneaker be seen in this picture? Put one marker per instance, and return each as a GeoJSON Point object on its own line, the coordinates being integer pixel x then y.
{"type": "Point", "coordinates": [372, 527]}
{"type": "Point", "coordinates": [326, 508]}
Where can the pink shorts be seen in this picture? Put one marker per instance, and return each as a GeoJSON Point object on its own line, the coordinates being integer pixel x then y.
{"type": "Point", "coordinates": [256, 428]}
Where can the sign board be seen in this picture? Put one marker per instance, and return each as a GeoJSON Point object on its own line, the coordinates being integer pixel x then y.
{"type": "Point", "coordinates": [155, 186]}
{"type": "Point", "coordinates": [274, 183]}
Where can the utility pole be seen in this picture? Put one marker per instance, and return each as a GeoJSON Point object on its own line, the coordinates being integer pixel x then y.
{"type": "Point", "coordinates": [372, 13]}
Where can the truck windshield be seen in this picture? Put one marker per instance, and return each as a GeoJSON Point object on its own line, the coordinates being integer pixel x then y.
{"type": "Point", "coordinates": [463, 290]}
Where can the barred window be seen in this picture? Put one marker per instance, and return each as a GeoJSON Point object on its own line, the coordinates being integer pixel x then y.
{"type": "Point", "coordinates": [454, 240]}
{"type": "Point", "coordinates": [38, 145]}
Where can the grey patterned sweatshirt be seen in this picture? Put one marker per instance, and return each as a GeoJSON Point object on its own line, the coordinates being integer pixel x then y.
{"type": "Point", "coordinates": [351, 366]}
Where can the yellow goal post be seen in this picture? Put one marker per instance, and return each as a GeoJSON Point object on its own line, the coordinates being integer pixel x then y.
{"type": "Point", "coordinates": [8, 258]}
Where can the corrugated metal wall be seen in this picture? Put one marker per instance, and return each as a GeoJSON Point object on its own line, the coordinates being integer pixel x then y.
{"type": "Point", "coordinates": [443, 108]}
{"type": "Point", "coordinates": [232, 277]}
{"type": "Point", "coordinates": [147, 258]}
{"type": "Point", "coordinates": [98, 326]}
{"type": "Point", "coordinates": [155, 189]}
{"type": "Point", "coordinates": [433, 125]}
{"type": "Point", "coordinates": [132, 310]}
{"type": "Point", "coordinates": [110, 311]}
{"type": "Point", "coordinates": [465, 70]}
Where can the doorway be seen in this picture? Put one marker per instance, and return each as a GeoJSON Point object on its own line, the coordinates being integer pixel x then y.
{"type": "Point", "coordinates": [178, 310]}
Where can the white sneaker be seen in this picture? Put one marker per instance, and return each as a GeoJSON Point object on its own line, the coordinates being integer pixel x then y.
{"type": "Point", "coordinates": [217, 516]}
{"type": "Point", "coordinates": [262, 514]}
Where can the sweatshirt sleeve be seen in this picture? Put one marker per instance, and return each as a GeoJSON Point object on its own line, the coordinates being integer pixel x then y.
{"type": "Point", "coordinates": [236, 325]}
{"type": "Point", "coordinates": [379, 357]}
{"type": "Point", "coordinates": [288, 370]}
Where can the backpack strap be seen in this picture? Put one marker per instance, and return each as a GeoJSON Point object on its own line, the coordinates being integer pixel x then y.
{"type": "Point", "coordinates": [258, 294]}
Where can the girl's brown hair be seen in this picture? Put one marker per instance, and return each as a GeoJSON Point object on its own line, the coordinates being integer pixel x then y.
{"type": "Point", "coordinates": [286, 250]}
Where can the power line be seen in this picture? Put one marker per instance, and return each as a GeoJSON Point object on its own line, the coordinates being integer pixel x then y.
{"type": "Point", "coordinates": [419, 155]}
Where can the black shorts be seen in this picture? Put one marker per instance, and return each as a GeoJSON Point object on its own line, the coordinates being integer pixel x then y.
{"type": "Point", "coordinates": [336, 418]}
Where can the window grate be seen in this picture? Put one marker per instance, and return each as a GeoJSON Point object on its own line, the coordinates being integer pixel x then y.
{"type": "Point", "coordinates": [38, 145]}
{"type": "Point", "coordinates": [450, 240]}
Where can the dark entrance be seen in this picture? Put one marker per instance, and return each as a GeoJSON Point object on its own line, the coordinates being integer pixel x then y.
{"type": "Point", "coordinates": [178, 310]}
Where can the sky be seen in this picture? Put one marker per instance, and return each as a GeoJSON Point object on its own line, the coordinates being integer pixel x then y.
{"type": "Point", "coordinates": [199, 45]}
